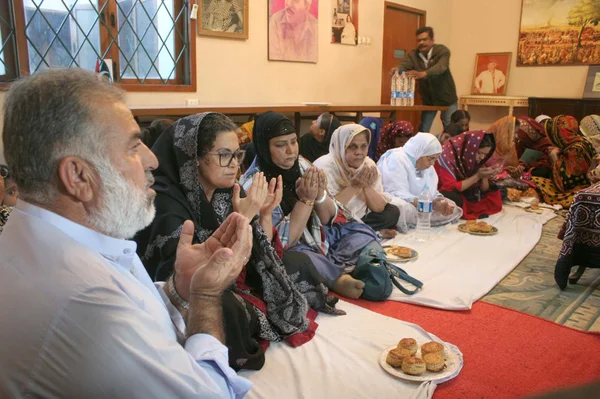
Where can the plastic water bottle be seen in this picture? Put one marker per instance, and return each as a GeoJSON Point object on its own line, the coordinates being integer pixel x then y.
{"type": "Point", "coordinates": [403, 89]}
{"type": "Point", "coordinates": [411, 92]}
{"type": "Point", "coordinates": [395, 88]}
{"type": "Point", "coordinates": [424, 210]}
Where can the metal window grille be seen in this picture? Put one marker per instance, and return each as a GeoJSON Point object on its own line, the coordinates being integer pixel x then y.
{"type": "Point", "coordinates": [8, 44]}
{"type": "Point", "coordinates": [147, 41]}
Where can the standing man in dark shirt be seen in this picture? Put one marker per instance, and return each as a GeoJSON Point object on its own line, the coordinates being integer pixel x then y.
{"type": "Point", "coordinates": [430, 65]}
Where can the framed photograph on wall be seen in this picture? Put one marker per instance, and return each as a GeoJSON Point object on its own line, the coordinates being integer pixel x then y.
{"type": "Point", "coordinates": [286, 17]}
{"type": "Point", "coordinates": [564, 32]}
{"type": "Point", "coordinates": [592, 83]}
{"type": "Point", "coordinates": [490, 76]}
{"type": "Point", "coordinates": [223, 18]}
{"type": "Point", "coordinates": [344, 24]}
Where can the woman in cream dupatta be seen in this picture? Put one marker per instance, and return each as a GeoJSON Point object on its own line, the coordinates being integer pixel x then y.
{"type": "Point", "coordinates": [355, 181]}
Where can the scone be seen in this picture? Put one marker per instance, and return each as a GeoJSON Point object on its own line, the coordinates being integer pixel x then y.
{"type": "Point", "coordinates": [432, 347]}
{"type": "Point", "coordinates": [481, 227]}
{"type": "Point", "coordinates": [396, 356]}
{"type": "Point", "coordinates": [402, 252]}
{"type": "Point", "coordinates": [434, 362]}
{"type": "Point", "coordinates": [471, 223]}
{"type": "Point", "coordinates": [410, 344]}
{"type": "Point", "coordinates": [513, 194]}
{"type": "Point", "coordinates": [413, 366]}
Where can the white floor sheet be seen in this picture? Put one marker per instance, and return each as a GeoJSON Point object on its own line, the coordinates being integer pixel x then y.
{"type": "Point", "coordinates": [341, 361]}
{"type": "Point", "coordinates": [457, 268]}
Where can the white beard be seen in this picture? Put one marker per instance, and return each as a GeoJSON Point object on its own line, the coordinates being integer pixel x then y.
{"type": "Point", "coordinates": [125, 209]}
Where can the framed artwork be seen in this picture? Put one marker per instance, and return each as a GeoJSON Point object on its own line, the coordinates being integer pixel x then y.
{"type": "Point", "coordinates": [490, 76]}
{"type": "Point", "coordinates": [223, 18]}
{"type": "Point", "coordinates": [344, 23]}
{"type": "Point", "coordinates": [564, 32]}
{"type": "Point", "coordinates": [287, 17]}
{"type": "Point", "coordinates": [592, 83]}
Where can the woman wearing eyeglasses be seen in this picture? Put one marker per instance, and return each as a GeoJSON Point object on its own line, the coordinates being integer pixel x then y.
{"type": "Point", "coordinates": [199, 157]}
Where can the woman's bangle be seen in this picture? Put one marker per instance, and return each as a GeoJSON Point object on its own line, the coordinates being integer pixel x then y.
{"type": "Point", "coordinates": [322, 199]}
{"type": "Point", "coordinates": [307, 202]}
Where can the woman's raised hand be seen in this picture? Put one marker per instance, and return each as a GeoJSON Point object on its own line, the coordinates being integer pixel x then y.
{"type": "Point", "coordinates": [307, 186]}
{"type": "Point", "coordinates": [255, 198]}
{"type": "Point", "coordinates": [274, 196]}
{"type": "Point", "coordinates": [371, 177]}
{"type": "Point", "coordinates": [486, 173]}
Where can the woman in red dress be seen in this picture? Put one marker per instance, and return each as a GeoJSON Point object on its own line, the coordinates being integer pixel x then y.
{"type": "Point", "coordinates": [463, 177]}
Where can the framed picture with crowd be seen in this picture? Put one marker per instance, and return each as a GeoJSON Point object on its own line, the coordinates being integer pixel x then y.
{"type": "Point", "coordinates": [564, 32]}
{"type": "Point", "coordinates": [223, 18]}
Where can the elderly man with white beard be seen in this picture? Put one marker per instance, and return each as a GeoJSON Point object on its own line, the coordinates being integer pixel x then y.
{"type": "Point", "coordinates": [80, 315]}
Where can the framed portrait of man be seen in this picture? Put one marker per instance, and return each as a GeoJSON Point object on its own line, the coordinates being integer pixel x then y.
{"type": "Point", "coordinates": [223, 18]}
{"type": "Point", "coordinates": [490, 77]}
{"type": "Point", "coordinates": [294, 30]}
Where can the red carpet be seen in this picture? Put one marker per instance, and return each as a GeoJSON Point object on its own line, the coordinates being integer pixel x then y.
{"type": "Point", "coordinates": [507, 354]}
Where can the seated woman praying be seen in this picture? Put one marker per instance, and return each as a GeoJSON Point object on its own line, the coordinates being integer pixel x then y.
{"type": "Point", "coordinates": [271, 300]}
{"type": "Point", "coordinates": [394, 135]}
{"type": "Point", "coordinates": [461, 118]}
{"type": "Point", "coordinates": [569, 172]}
{"type": "Point", "coordinates": [407, 171]}
{"type": "Point", "coordinates": [355, 181]}
{"type": "Point", "coordinates": [463, 177]}
{"type": "Point", "coordinates": [308, 220]}
{"type": "Point", "coordinates": [532, 136]}
{"type": "Point", "coordinates": [315, 143]}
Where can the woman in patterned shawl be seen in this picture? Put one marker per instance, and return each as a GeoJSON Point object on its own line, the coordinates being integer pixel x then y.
{"type": "Point", "coordinates": [570, 170]}
{"type": "Point", "coordinates": [308, 220]}
{"type": "Point", "coordinates": [463, 176]}
{"type": "Point", "coordinates": [531, 135]}
{"type": "Point", "coordinates": [199, 157]}
{"type": "Point", "coordinates": [394, 135]}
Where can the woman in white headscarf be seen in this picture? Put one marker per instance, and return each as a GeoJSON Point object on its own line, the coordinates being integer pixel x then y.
{"type": "Point", "coordinates": [407, 170]}
{"type": "Point", "coordinates": [353, 178]}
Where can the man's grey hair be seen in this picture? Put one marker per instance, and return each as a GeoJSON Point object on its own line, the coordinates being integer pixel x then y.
{"type": "Point", "coordinates": [48, 116]}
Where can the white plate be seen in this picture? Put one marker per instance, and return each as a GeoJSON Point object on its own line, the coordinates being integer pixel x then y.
{"type": "Point", "coordinates": [452, 365]}
{"type": "Point", "coordinates": [316, 103]}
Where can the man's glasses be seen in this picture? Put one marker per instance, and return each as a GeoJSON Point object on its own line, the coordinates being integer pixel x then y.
{"type": "Point", "coordinates": [4, 171]}
{"type": "Point", "coordinates": [226, 157]}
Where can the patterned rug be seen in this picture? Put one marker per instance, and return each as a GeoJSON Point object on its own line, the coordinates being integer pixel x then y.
{"type": "Point", "coordinates": [530, 287]}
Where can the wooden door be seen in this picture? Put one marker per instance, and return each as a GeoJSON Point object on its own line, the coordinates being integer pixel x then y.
{"type": "Point", "coordinates": [400, 24]}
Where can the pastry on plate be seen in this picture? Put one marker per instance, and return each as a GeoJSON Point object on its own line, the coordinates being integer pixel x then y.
{"type": "Point", "coordinates": [400, 252]}
{"type": "Point", "coordinates": [480, 227]}
{"type": "Point", "coordinates": [434, 362]}
{"type": "Point", "coordinates": [432, 347]}
{"type": "Point", "coordinates": [413, 366]}
{"type": "Point", "coordinates": [410, 344]}
{"type": "Point", "coordinates": [513, 194]}
{"type": "Point", "coordinates": [471, 223]}
{"type": "Point", "coordinates": [396, 356]}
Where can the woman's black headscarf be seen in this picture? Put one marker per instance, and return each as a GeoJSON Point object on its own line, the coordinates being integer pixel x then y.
{"type": "Point", "coordinates": [267, 126]}
{"type": "Point", "coordinates": [180, 197]}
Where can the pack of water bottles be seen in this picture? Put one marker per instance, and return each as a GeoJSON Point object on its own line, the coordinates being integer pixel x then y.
{"type": "Point", "coordinates": [403, 90]}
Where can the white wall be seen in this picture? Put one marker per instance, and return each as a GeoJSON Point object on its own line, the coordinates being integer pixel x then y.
{"type": "Point", "coordinates": [483, 26]}
{"type": "Point", "coordinates": [238, 72]}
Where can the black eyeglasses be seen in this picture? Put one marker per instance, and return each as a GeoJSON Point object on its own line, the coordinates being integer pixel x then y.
{"type": "Point", "coordinates": [3, 170]}
{"type": "Point", "coordinates": [226, 157]}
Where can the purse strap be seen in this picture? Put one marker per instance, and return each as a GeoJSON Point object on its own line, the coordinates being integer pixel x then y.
{"type": "Point", "coordinates": [396, 273]}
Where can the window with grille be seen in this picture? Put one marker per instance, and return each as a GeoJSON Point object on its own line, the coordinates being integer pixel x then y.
{"type": "Point", "coordinates": [147, 42]}
{"type": "Point", "coordinates": [8, 54]}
